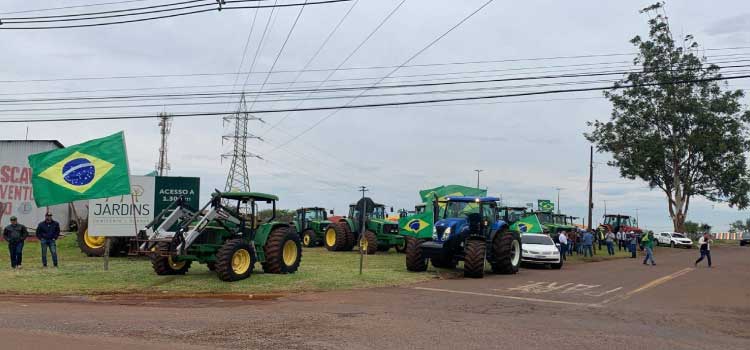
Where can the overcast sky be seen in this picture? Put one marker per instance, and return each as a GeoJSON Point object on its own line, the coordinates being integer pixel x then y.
{"type": "Point", "coordinates": [527, 146]}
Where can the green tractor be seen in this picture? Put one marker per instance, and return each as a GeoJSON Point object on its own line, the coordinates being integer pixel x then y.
{"type": "Point", "coordinates": [380, 234]}
{"type": "Point", "coordinates": [311, 224]}
{"type": "Point", "coordinates": [225, 234]}
{"type": "Point", "coordinates": [554, 223]}
{"type": "Point", "coordinates": [512, 214]}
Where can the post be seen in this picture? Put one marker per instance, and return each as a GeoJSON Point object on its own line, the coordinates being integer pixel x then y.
{"type": "Point", "coordinates": [591, 184]}
{"type": "Point", "coordinates": [478, 171]}
{"type": "Point", "coordinates": [558, 199]}
{"type": "Point", "coordinates": [363, 189]}
{"type": "Point", "coordinates": [106, 253]}
{"type": "Point", "coordinates": [132, 202]}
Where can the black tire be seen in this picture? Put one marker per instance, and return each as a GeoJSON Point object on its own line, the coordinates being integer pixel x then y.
{"type": "Point", "coordinates": [225, 255]}
{"type": "Point", "coordinates": [444, 262]}
{"type": "Point", "coordinates": [671, 244]}
{"type": "Point", "coordinates": [401, 248]}
{"type": "Point", "coordinates": [165, 266]}
{"type": "Point", "coordinates": [507, 260]}
{"type": "Point", "coordinates": [558, 265]}
{"type": "Point", "coordinates": [474, 255]}
{"type": "Point", "coordinates": [211, 266]}
{"type": "Point", "coordinates": [309, 239]}
{"type": "Point", "coordinates": [340, 240]}
{"type": "Point", "coordinates": [371, 241]}
{"type": "Point", "coordinates": [86, 248]}
{"type": "Point", "coordinates": [283, 251]}
{"type": "Point", "coordinates": [415, 261]}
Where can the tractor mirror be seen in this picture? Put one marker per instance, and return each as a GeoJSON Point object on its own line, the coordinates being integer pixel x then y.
{"type": "Point", "coordinates": [331, 212]}
{"type": "Point", "coordinates": [391, 209]}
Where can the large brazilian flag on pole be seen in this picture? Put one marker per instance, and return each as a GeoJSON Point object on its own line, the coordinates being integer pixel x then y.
{"type": "Point", "coordinates": [93, 169]}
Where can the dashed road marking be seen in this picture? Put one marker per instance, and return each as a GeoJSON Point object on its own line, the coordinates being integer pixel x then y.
{"type": "Point", "coordinates": [536, 300]}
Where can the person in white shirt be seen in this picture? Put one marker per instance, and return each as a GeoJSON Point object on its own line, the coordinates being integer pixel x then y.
{"type": "Point", "coordinates": [619, 238]}
{"type": "Point", "coordinates": [705, 248]}
{"type": "Point", "coordinates": [563, 238]}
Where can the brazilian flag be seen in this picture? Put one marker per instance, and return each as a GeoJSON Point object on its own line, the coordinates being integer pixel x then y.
{"type": "Point", "coordinates": [528, 224]}
{"type": "Point", "coordinates": [93, 169]}
{"type": "Point", "coordinates": [418, 225]}
{"type": "Point", "coordinates": [441, 192]}
{"type": "Point", "coordinates": [545, 205]}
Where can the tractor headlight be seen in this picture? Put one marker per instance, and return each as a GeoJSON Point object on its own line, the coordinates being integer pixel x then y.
{"type": "Point", "coordinates": [447, 233]}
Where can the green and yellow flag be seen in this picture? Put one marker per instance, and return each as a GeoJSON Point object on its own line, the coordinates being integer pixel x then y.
{"type": "Point", "coordinates": [528, 224]}
{"type": "Point", "coordinates": [450, 190]}
{"type": "Point", "coordinates": [545, 205]}
{"type": "Point", "coordinates": [417, 225]}
{"type": "Point", "coordinates": [93, 169]}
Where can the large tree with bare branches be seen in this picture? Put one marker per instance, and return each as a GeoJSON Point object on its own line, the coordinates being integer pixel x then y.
{"type": "Point", "coordinates": [676, 125]}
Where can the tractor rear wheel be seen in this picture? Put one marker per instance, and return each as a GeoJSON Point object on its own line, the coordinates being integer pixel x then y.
{"type": "Point", "coordinates": [474, 255]}
{"type": "Point", "coordinates": [309, 239]}
{"type": "Point", "coordinates": [506, 249]}
{"type": "Point", "coordinates": [235, 260]}
{"type": "Point", "coordinates": [369, 243]}
{"type": "Point", "coordinates": [415, 261]}
{"type": "Point", "coordinates": [336, 237]}
{"type": "Point", "coordinates": [89, 245]}
{"type": "Point", "coordinates": [165, 265]}
{"type": "Point", "coordinates": [283, 251]}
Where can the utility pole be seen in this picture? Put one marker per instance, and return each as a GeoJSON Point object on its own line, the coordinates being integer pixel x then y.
{"type": "Point", "coordinates": [558, 199]}
{"type": "Point", "coordinates": [605, 207]}
{"type": "Point", "coordinates": [362, 189]}
{"type": "Point", "coordinates": [591, 184]}
{"type": "Point", "coordinates": [238, 178]}
{"type": "Point", "coordinates": [478, 171]}
{"type": "Point", "coordinates": [165, 127]}
{"type": "Point", "coordinates": [638, 222]}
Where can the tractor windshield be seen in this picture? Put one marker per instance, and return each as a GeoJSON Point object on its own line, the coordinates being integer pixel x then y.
{"type": "Point", "coordinates": [378, 212]}
{"type": "Point", "coordinates": [560, 219]}
{"type": "Point", "coordinates": [315, 214]}
{"type": "Point", "coordinates": [515, 214]}
{"type": "Point", "coordinates": [460, 209]}
{"type": "Point", "coordinates": [545, 218]}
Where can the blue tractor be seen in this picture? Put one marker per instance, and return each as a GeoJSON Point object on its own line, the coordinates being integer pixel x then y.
{"type": "Point", "coordinates": [466, 229]}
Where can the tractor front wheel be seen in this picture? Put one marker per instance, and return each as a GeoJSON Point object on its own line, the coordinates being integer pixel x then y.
{"type": "Point", "coordinates": [401, 248]}
{"type": "Point", "coordinates": [283, 251]}
{"type": "Point", "coordinates": [506, 248]}
{"type": "Point", "coordinates": [475, 252]}
{"type": "Point", "coordinates": [415, 261]}
{"type": "Point", "coordinates": [235, 260]}
{"type": "Point", "coordinates": [369, 243]}
{"type": "Point", "coordinates": [309, 239]}
{"type": "Point", "coordinates": [336, 237]}
{"type": "Point", "coordinates": [166, 265]}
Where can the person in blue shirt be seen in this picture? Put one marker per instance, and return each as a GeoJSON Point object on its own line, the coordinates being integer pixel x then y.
{"type": "Point", "coordinates": [47, 232]}
{"type": "Point", "coordinates": [588, 244]}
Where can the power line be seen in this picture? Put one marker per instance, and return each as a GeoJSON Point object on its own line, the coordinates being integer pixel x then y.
{"type": "Point", "coordinates": [386, 104]}
{"type": "Point", "coordinates": [71, 7]}
{"type": "Point", "coordinates": [41, 19]}
{"type": "Point", "coordinates": [3, 25]}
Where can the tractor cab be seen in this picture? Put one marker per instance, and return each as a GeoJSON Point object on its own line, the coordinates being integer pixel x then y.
{"type": "Point", "coordinates": [511, 214]}
{"type": "Point", "coordinates": [546, 217]}
{"type": "Point", "coordinates": [304, 217]}
{"type": "Point", "coordinates": [466, 216]}
{"type": "Point", "coordinates": [620, 223]}
{"type": "Point", "coordinates": [420, 208]}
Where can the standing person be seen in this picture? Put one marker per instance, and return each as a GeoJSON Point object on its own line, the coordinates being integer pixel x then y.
{"type": "Point", "coordinates": [588, 243]}
{"type": "Point", "coordinates": [610, 238]}
{"type": "Point", "coordinates": [15, 234]}
{"type": "Point", "coordinates": [47, 232]}
{"type": "Point", "coordinates": [705, 248]}
{"type": "Point", "coordinates": [571, 242]}
{"type": "Point", "coordinates": [601, 237]}
{"type": "Point", "coordinates": [563, 238]}
{"type": "Point", "coordinates": [647, 242]}
{"type": "Point", "coordinates": [633, 244]}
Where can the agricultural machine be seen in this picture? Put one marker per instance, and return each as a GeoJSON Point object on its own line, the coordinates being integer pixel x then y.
{"type": "Point", "coordinates": [511, 214]}
{"type": "Point", "coordinates": [311, 225]}
{"type": "Point", "coordinates": [380, 234]}
{"type": "Point", "coordinates": [467, 229]}
{"type": "Point", "coordinates": [554, 223]}
{"type": "Point", "coordinates": [225, 235]}
{"type": "Point", "coordinates": [620, 223]}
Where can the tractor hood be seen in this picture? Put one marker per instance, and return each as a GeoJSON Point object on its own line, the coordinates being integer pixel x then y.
{"type": "Point", "coordinates": [441, 227]}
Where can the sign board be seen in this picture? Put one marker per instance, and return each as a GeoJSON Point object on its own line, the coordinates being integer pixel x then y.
{"type": "Point", "coordinates": [113, 216]}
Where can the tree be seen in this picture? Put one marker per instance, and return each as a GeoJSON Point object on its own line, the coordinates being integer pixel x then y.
{"type": "Point", "coordinates": [740, 226]}
{"type": "Point", "coordinates": [694, 228]}
{"type": "Point", "coordinates": [676, 126]}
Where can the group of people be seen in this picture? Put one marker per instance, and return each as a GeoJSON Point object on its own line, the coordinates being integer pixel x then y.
{"type": "Point", "coordinates": [582, 242]}
{"type": "Point", "coordinates": [48, 231]}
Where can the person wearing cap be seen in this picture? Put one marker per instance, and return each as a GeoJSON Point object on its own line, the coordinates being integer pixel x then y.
{"type": "Point", "coordinates": [47, 232]}
{"type": "Point", "coordinates": [15, 234]}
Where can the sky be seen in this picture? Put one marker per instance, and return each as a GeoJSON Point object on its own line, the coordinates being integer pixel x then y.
{"type": "Point", "coordinates": [527, 147]}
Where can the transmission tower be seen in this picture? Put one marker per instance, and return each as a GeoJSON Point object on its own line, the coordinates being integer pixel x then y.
{"type": "Point", "coordinates": [165, 125]}
{"type": "Point", "coordinates": [238, 178]}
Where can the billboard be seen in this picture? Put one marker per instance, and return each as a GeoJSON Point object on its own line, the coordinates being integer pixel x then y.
{"type": "Point", "coordinates": [123, 216]}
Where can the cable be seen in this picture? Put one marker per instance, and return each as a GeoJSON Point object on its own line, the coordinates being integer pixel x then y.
{"type": "Point", "coordinates": [3, 25]}
{"type": "Point", "coordinates": [71, 7]}
{"type": "Point", "coordinates": [44, 18]}
{"type": "Point", "coordinates": [386, 104]}
{"type": "Point", "coordinates": [258, 50]}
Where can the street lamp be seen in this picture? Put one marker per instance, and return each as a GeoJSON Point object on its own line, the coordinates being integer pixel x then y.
{"type": "Point", "coordinates": [478, 171]}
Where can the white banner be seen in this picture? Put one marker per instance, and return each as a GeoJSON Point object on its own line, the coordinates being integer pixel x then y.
{"type": "Point", "coordinates": [114, 216]}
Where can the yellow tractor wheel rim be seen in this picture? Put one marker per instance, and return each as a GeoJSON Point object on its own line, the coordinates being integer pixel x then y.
{"type": "Point", "coordinates": [331, 237]}
{"type": "Point", "coordinates": [289, 253]}
{"type": "Point", "coordinates": [241, 261]}
{"type": "Point", "coordinates": [306, 239]}
{"type": "Point", "coordinates": [93, 242]}
{"type": "Point", "coordinates": [176, 265]}
{"type": "Point", "coordinates": [363, 244]}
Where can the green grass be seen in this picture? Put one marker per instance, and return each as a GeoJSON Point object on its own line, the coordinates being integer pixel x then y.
{"type": "Point", "coordinates": [80, 275]}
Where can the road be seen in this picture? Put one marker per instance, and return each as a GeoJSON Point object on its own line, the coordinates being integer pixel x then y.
{"type": "Point", "coordinates": [619, 304]}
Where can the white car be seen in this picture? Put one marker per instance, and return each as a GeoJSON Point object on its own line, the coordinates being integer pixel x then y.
{"type": "Point", "coordinates": [674, 239]}
{"type": "Point", "coordinates": [540, 249]}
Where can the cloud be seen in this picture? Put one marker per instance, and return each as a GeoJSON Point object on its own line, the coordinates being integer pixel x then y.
{"type": "Point", "coordinates": [735, 24]}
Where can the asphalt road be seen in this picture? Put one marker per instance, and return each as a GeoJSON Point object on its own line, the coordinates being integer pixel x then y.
{"type": "Point", "coordinates": [618, 304]}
